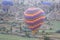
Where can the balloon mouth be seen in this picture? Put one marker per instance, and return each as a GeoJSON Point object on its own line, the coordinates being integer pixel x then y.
{"type": "Point", "coordinates": [34, 28]}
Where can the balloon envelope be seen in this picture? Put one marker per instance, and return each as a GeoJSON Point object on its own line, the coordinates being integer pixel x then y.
{"type": "Point", "coordinates": [34, 17]}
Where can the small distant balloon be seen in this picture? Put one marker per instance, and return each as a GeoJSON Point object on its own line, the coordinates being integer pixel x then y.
{"type": "Point", "coordinates": [46, 3]}
{"type": "Point", "coordinates": [34, 18]}
{"type": "Point", "coordinates": [6, 4]}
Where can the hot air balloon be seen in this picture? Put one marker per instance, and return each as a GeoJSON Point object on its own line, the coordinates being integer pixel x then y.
{"type": "Point", "coordinates": [34, 18]}
{"type": "Point", "coordinates": [46, 3]}
{"type": "Point", "coordinates": [6, 4]}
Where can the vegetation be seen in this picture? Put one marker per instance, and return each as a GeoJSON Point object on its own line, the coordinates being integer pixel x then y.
{"type": "Point", "coordinates": [13, 37]}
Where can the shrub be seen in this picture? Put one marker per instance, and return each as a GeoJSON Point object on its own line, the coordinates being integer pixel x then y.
{"type": "Point", "coordinates": [58, 31]}
{"type": "Point", "coordinates": [46, 38]}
